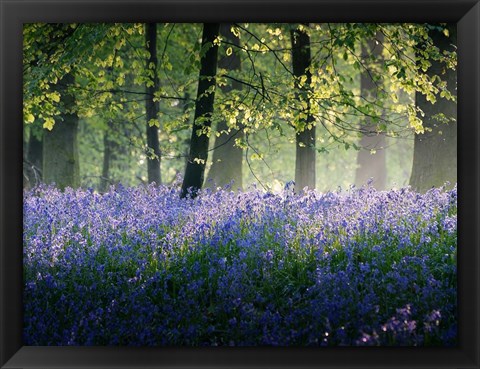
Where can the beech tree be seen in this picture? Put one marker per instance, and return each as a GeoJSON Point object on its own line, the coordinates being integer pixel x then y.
{"type": "Point", "coordinates": [152, 106]}
{"type": "Point", "coordinates": [435, 148]}
{"type": "Point", "coordinates": [60, 144]}
{"type": "Point", "coordinates": [371, 163]}
{"type": "Point", "coordinates": [227, 156]}
{"type": "Point", "coordinates": [59, 148]}
{"type": "Point", "coordinates": [305, 169]}
{"type": "Point", "coordinates": [198, 154]}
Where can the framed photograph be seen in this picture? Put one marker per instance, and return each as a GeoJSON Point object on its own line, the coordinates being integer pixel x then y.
{"type": "Point", "coordinates": [268, 184]}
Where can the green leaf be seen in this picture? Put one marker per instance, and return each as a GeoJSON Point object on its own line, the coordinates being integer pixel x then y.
{"type": "Point", "coordinates": [401, 73]}
{"type": "Point", "coordinates": [55, 97]}
{"type": "Point", "coordinates": [30, 118]}
{"type": "Point", "coordinates": [49, 123]}
{"type": "Point", "coordinates": [154, 122]}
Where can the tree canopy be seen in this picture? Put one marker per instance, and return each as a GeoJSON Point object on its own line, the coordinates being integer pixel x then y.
{"type": "Point", "coordinates": [112, 81]}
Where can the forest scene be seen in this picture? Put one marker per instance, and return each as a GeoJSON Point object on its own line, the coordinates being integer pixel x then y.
{"type": "Point", "coordinates": [240, 184]}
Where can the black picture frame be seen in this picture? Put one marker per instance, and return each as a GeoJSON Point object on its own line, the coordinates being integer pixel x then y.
{"type": "Point", "coordinates": [13, 13]}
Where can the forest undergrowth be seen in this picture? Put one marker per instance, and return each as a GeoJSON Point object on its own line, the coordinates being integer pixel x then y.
{"type": "Point", "coordinates": [140, 266]}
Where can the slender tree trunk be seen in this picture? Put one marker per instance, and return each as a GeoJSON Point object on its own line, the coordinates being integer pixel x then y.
{"type": "Point", "coordinates": [198, 155]}
{"type": "Point", "coordinates": [104, 181]}
{"type": "Point", "coordinates": [35, 157]}
{"type": "Point", "coordinates": [371, 159]}
{"type": "Point", "coordinates": [152, 107]}
{"type": "Point", "coordinates": [305, 160]}
{"type": "Point", "coordinates": [435, 151]}
{"type": "Point", "coordinates": [60, 146]}
{"type": "Point", "coordinates": [227, 158]}
{"type": "Point", "coordinates": [107, 157]}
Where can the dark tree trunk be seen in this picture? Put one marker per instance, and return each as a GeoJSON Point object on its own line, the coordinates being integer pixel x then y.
{"type": "Point", "coordinates": [35, 157]}
{"type": "Point", "coordinates": [152, 107]}
{"type": "Point", "coordinates": [305, 159]}
{"type": "Point", "coordinates": [198, 155]}
{"type": "Point", "coordinates": [435, 152]}
{"type": "Point", "coordinates": [60, 146]}
{"type": "Point", "coordinates": [371, 163]}
{"type": "Point", "coordinates": [227, 158]}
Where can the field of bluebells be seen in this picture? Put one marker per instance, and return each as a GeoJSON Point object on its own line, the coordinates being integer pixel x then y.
{"type": "Point", "coordinates": [140, 266]}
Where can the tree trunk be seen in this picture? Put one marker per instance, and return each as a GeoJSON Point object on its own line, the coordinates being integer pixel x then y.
{"type": "Point", "coordinates": [435, 152]}
{"type": "Point", "coordinates": [198, 155]}
{"type": "Point", "coordinates": [152, 107]}
{"type": "Point", "coordinates": [305, 159]}
{"type": "Point", "coordinates": [60, 146]}
{"type": "Point", "coordinates": [227, 158]}
{"type": "Point", "coordinates": [107, 157]}
{"type": "Point", "coordinates": [371, 163]}
{"type": "Point", "coordinates": [35, 157]}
